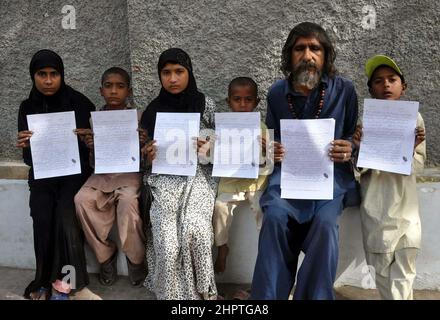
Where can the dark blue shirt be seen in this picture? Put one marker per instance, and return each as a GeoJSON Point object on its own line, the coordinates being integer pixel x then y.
{"type": "Point", "coordinates": [340, 103]}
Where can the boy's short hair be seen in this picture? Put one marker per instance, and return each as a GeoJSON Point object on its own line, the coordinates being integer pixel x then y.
{"type": "Point", "coordinates": [243, 81]}
{"type": "Point", "coordinates": [116, 70]}
{"type": "Point", "coordinates": [379, 61]}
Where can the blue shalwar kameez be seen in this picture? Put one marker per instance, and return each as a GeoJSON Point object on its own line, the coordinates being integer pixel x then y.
{"type": "Point", "coordinates": [290, 225]}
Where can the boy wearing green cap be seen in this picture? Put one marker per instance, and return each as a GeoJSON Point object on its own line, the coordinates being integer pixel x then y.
{"type": "Point", "coordinates": [389, 210]}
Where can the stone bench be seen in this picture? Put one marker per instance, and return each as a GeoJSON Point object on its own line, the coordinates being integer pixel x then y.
{"type": "Point", "coordinates": [16, 242]}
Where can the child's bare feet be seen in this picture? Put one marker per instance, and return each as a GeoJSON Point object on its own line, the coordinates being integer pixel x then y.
{"type": "Point", "coordinates": [220, 262]}
{"type": "Point", "coordinates": [85, 294]}
{"type": "Point", "coordinates": [40, 294]}
{"type": "Point", "coordinates": [242, 295]}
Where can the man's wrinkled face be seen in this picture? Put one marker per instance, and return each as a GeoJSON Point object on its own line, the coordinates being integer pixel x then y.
{"type": "Point", "coordinates": [308, 57]}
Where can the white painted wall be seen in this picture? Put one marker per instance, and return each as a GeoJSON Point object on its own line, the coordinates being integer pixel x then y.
{"type": "Point", "coordinates": [16, 244]}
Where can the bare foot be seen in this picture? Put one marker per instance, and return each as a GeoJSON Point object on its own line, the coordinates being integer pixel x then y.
{"type": "Point", "coordinates": [220, 262]}
{"type": "Point", "coordinates": [85, 294]}
{"type": "Point", "coordinates": [242, 295]}
{"type": "Point", "coordinates": [40, 294]}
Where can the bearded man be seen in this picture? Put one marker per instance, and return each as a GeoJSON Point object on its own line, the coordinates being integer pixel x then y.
{"type": "Point", "coordinates": [311, 90]}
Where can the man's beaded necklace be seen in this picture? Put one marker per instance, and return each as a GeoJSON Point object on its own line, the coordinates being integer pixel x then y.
{"type": "Point", "coordinates": [318, 107]}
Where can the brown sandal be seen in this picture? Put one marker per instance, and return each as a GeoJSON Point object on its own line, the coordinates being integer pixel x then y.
{"type": "Point", "coordinates": [136, 273]}
{"type": "Point", "coordinates": [109, 272]}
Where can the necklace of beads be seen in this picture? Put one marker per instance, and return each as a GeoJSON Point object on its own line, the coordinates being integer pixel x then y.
{"type": "Point", "coordinates": [318, 107]}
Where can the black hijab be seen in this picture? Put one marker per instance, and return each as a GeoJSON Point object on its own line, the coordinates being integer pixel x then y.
{"type": "Point", "coordinates": [46, 58]}
{"type": "Point", "coordinates": [56, 102]}
{"type": "Point", "coordinates": [189, 100]}
{"type": "Point", "coordinates": [65, 99]}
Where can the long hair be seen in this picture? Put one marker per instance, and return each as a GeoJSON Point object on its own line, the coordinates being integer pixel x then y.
{"type": "Point", "coordinates": [306, 30]}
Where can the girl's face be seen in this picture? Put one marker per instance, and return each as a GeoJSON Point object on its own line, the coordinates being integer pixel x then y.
{"type": "Point", "coordinates": [47, 81]}
{"type": "Point", "coordinates": [174, 78]}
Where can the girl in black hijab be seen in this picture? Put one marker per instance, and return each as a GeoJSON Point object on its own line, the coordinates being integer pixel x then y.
{"type": "Point", "coordinates": [58, 240]}
{"type": "Point", "coordinates": [189, 100]}
{"type": "Point", "coordinates": [180, 238]}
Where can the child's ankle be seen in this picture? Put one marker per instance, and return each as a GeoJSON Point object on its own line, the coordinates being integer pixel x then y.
{"type": "Point", "coordinates": [223, 248]}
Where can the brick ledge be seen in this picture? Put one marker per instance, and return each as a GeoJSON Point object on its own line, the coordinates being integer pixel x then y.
{"type": "Point", "coordinates": [19, 170]}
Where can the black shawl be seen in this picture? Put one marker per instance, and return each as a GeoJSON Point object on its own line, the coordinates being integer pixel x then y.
{"type": "Point", "coordinates": [190, 100]}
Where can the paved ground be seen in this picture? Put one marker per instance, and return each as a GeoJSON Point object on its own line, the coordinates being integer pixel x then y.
{"type": "Point", "coordinates": [13, 281]}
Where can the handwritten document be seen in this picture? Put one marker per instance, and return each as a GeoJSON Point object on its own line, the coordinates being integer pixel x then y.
{"type": "Point", "coordinates": [237, 149]}
{"type": "Point", "coordinates": [54, 145]}
{"type": "Point", "coordinates": [116, 141]}
{"type": "Point", "coordinates": [306, 170]}
{"type": "Point", "coordinates": [388, 135]}
{"type": "Point", "coordinates": [175, 135]}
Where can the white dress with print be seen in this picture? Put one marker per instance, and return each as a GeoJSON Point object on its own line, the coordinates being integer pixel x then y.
{"type": "Point", "coordinates": [180, 240]}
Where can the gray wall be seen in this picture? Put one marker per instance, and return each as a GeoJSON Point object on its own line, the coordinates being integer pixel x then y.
{"type": "Point", "coordinates": [100, 40]}
{"type": "Point", "coordinates": [224, 39]}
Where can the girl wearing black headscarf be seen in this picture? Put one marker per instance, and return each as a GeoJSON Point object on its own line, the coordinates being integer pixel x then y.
{"type": "Point", "coordinates": [181, 237]}
{"type": "Point", "coordinates": [58, 240]}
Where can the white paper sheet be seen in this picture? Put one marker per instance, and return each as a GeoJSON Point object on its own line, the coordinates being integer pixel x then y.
{"type": "Point", "coordinates": [54, 145]}
{"type": "Point", "coordinates": [237, 149]}
{"type": "Point", "coordinates": [176, 149]}
{"type": "Point", "coordinates": [116, 141]}
{"type": "Point", "coordinates": [388, 135]}
{"type": "Point", "coordinates": [306, 170]}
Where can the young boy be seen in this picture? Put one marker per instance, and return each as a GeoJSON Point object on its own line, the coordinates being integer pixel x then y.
{"type": "Point", "coordinates": [242, 97]}
{"type": "Point", "coordinates": [389, 209]}
{"type": "Point", "coordinates": [105, 198]}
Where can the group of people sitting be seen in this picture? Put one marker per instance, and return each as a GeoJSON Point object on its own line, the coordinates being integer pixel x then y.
{"type": "Point", "coordinates": [168, 244]}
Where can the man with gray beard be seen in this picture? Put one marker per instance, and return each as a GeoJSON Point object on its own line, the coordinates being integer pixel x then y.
{"type": "Point", "coordinates": [311, 90]}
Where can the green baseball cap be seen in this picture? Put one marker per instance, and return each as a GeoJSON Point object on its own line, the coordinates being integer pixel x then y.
{"type": "Point", "coordinates": [380, 60]}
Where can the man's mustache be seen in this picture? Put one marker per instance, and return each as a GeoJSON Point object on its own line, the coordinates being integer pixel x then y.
{"type": "Point", "coordinates": [303, 66]}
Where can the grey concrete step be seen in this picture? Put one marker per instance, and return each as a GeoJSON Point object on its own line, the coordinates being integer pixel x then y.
{"type": "Point", "coordinates": [13, 282]}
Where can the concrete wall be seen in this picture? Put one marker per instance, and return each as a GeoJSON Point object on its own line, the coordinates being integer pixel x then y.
{"type": "Point", "coordinates": [224, 38]}
{"type": "Point", "coordinates": [98, 42]}
{"type": "Point", "coordinates": [16, 249]}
